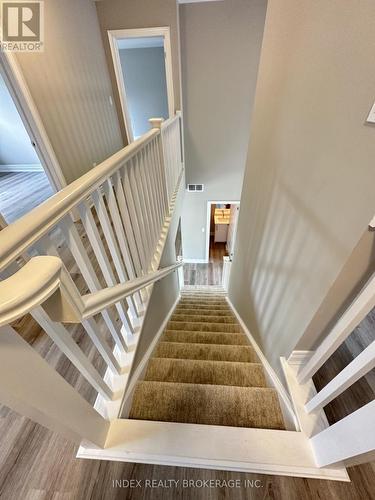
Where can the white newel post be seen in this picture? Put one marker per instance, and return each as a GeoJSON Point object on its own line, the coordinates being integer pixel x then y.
{"type": "Point", "coordinates": [32, 388]}
{"type": "Point", "coordinates": [181, 280]}
{"type": "Point", "coordinates": [226, 272]}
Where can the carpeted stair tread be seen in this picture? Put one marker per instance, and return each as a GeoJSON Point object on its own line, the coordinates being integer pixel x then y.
{"type": "Point", "coordinates": [207, 404]}
{"type": "Point", "coordinates": [214, 352]}
{"type": "Point", "coordinates": [204, 337]}
{"type": "Point", "coordinates": [204, 319]}
{"type": "Point", "coordinates": [194, 371]}
{"type": "Point", "coordinates": [196, 326]}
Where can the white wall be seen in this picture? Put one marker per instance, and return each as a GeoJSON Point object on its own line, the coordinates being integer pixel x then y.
{"type": "Point", "coordinates": [145, 84]}
{"type": "Point", "coordinates": [308, 192]}
{"type": "Point", "coordinates": [15, 145]}
{"type": "Point", "coordinates": [220, 47]}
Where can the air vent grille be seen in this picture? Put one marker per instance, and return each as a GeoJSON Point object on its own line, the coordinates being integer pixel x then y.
{"type": "Point", "coordinates": [195, 188]}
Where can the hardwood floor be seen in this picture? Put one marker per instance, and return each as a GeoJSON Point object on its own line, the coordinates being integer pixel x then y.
{"type": "Point", "coordinates": [210, 273]}
{"type": "Point", "coordinates": [21, 192]}
{"type": "Point", "coordinates": [36, 464]}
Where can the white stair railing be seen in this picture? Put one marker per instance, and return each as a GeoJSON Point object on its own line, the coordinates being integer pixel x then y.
{"type": "Point", "coordinates": [88, 256]}
{"type": "Point", "coordinates": [352, 439]}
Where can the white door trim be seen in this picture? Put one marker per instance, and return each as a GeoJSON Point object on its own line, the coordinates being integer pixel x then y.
{"type": "Point", "coordinates": [30, 117]}
{"type": "Point", "coordinates": [114, 36]}
{"type": "Point", "coordinates": [208, 223]}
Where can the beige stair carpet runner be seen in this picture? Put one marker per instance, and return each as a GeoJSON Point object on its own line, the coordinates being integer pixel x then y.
{"type": "Point", "coordinates": [204, 370]}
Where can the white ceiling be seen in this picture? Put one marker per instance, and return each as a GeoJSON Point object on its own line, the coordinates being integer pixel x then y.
{"type": "Point", "coordinates": [140, 43]}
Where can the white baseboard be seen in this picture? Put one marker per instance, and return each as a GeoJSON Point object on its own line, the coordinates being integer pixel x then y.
{"type": "Point", "coordinates": [286, 404]}
{"type": "Point", "coordinates": [195, 261]}
{"type": "Point", "coordinates": [26, 167]}
{"type": "Point", "coordinates": [139, 372]}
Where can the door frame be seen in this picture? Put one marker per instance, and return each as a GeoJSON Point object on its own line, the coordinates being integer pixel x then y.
{"type": "Point", "coordinates": [208, 224]}
{"type": "Point", "coordinates": [114, 36]}
{"type": "Point", "coordinates": [30, 117]}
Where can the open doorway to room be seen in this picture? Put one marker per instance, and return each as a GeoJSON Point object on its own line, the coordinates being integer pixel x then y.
{"type": "Point", "coordinates": [143, 68]}
{"type": "Point", "coordinates": [221, 230]}
{"type": "Point", "coordinates": [23, 182]}
{"type": "Point", "coordinates": [29, 170]}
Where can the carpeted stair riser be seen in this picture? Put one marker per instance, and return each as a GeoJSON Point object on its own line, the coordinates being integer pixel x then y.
{"type": "Point", "coordinates": [214, 352]}
{"type": "Point", "coordinates": [206, 313]}
{"type": "Point", "coordinates": [207, 404]}
{"type": "Point", "coordinates": [204, 337]}
{"type": "Point", "coordinates": [204, 319]}
{"type": "Point", "coordinates": [202, 307]}
{"type": "Point", "coordinates": [203, 327]}
{"type": "Point", "coordinates": [192, 371]}
{"type": "Point", "coordinates": [208, 300]}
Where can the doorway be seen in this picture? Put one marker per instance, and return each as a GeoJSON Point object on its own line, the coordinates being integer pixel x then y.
{"type": "Point", "coordinates": [222, 220]}
{"type": "Point", "coordinates": [23, 182]}
{"type": "Point", "coordinates": [143, 68]}
{"type": "Point", "coordinates": [29, 170]}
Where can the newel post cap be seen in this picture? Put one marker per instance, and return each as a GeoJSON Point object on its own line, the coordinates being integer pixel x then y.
{"type": "Point", "coordinates": [156, 122]}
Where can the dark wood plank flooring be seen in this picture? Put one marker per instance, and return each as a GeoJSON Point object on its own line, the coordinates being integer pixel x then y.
{"type": "Point", "coordinates": [20, 192]}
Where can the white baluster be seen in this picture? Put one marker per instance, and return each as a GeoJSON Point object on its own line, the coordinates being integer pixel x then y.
{"type": "Point", "coordinates": [64, 341]}
{"type": "Point", "coordinates": [101, 256]}
{"type": "Point", "coordinates": [83, 261]}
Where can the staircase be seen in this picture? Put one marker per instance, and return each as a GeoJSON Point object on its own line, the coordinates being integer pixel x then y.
{"type": "Point", "coordinates": [204, 371]}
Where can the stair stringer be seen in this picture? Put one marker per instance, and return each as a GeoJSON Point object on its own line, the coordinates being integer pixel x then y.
{"type": "Point", "coordinates": [262, 451]}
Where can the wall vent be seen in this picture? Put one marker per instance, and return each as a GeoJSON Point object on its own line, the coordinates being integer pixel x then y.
{"type": "Point", "coordinates": [195, 188]}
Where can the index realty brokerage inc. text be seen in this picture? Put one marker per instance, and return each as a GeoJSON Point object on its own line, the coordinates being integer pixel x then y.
{"type": "Point", "coordinates": [187, 483]}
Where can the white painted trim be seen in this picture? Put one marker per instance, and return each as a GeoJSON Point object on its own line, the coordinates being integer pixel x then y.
{"type": "Point", "coordinates": [300, 393]}
{"type": "Point", "coordinates": [361, 364]}
{"type": "Point", "coordinates": [30, 117]}
{"type": "Point", "coordinates": [372, 224]}
{"type": "Point", "coordinates": [354, 314]}
{"type": "Point", "coordinates": [114, 36]}
{"type": "Point", "coordinates": [351, 440]}
{"type": "Point", "coordinates": [140, 371]}
{"type": "Point", "coordinates": [25, 167]}
{"type": "Point", "coordinates": [208, 223]}
{"type": "Point", "coordinates": [261, 451]}
{"type": "Point", "coordinates": [286, 403]}
{"type": "Point", "coordinates": [299, 358]}
{"type": "Point", "coordinates": [195, 261]}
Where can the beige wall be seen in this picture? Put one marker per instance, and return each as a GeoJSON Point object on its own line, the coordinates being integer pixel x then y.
{"type": "Point", "coordinates": [308, 189]}
{"type": "Point", "coordinates": [70, 85]}
{"type": "Point", "coordinates": [220, 49]}
{"type": "Point", "coordinates": [126, 14]}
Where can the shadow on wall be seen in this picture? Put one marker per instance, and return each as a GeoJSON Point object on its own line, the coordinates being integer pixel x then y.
{"type": "Point", "coordinates": [280, 263]}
